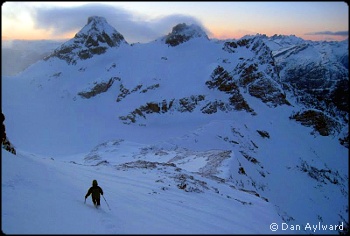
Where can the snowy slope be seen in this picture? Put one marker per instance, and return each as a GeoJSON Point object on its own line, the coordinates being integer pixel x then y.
{"type": "Point", "coordinates": [41, 195]}
{"type": "Point", "coordinates": [145, 116]}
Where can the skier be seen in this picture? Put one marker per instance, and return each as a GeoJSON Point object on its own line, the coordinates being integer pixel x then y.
{"type": "Point", "coordinates": [95, 192]}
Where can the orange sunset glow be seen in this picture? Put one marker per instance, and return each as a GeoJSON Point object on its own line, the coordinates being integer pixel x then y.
{"type": "Point", "coordinates": [144, 22]}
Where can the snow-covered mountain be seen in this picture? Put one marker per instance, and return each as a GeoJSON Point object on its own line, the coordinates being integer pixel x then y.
{"type": "Point", "coordinates": [262, 118]}
{"type": "Point", "coordinates": [182, 33]}
{"type": "Point", "coordinates": [93, 39]}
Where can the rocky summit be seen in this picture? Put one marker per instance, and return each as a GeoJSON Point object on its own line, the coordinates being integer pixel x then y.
{"type": "Point", "coordinates": [93, 39]}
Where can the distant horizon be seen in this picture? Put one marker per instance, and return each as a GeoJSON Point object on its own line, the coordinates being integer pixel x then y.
{"type": "Point", "coordinates": [67, 39]}
{"type": "Point", "coordinates": [142, 22]}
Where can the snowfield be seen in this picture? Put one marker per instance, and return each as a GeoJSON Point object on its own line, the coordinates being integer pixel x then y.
{"type": "Point", "coordinates": [42, 195]}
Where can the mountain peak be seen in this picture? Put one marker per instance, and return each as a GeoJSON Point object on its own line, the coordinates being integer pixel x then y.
{"type": "Point", "coordinates": [97, 25]}
{"type": "Point", "coordinates": [94, 38]}
{"type": "Point", "coordinates": [182, 33]}
{"type": "Point", "coordinates": [97, 19]}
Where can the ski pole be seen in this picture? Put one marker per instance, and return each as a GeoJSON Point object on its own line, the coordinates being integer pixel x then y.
{"type": "Point", "coordinates": [106, 202]}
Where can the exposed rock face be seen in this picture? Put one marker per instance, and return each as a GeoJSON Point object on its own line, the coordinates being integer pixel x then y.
{"type": "Point", "coordinates": [98, 88]}
{"type": "Point", "coordinates": [187, 104]}
{"type": "Point", "coordinates": [340, 95]}
{"type": "Point", "coordinates": [3, 129]}
{"type": "Point", "coordinates": [321, 81]}
{"type": "Point", "coordinates": [124, 92]}
{"type": "Point", "coordinates": [309, 83]}
{"type": "Point", "coordinates": [182, 33]}
{"type": "Point", "coordinates": [93, 39]}
{"type": "Point", "coordinates": [319, 121]}
{"type": "Point", "coordinates": [315, 74]}
{"type": "Point", "coordinates": [221, 80]}
{"type": "Point", "coordinates": [261, 83]}
{"type": "Point", "coordinates": [4, 140]}
{"type": "Point", "coordinates": [323, 176]}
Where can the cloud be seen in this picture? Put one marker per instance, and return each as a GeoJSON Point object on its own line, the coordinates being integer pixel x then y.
{"type": "Point", "coordinates": [337, 33]}
{"type": "Point", "coordinates": [134, 28]}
